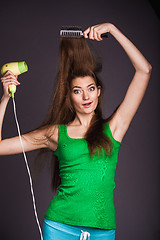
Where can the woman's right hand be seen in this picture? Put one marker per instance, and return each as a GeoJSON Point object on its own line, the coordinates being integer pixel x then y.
{"type": "Point", "coordinates": [7, 79]}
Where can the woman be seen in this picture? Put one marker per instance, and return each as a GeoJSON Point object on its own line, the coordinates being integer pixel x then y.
{"type": "Point", "coordinates": [85, 144]}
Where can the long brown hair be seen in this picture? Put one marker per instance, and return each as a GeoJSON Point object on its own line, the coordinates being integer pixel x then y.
{"type": "Point", "coordinates": [75, 60]}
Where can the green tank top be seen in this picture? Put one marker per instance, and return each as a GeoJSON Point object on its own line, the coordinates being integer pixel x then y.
{"type": "Point", "coordinates": [85, 196]}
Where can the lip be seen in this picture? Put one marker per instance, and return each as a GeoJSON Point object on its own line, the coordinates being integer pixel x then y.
{"type": "Point", "coordinates": [87, 105]}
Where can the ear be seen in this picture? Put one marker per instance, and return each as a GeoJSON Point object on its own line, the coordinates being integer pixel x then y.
{"type": "Point", "coordinates": [99, 90]}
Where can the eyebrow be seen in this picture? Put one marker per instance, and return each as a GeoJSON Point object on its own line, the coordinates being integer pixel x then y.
{"type": "Point", "coordinates": [80, 87]}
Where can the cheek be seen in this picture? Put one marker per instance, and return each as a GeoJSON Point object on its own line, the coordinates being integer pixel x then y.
{"type": "Point", "coordinates": [96, 101]}
{"type": "Point", "coordinates": [94, 96]}
{"type": "Point", "coordinates": [75, 99]}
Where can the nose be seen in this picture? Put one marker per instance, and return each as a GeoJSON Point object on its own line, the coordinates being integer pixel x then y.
{"type": "Point", "coordinates": [85, 95]}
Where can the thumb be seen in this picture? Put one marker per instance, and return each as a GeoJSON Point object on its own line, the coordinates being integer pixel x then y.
{"type": "Point", "coordinates": [85, 33]}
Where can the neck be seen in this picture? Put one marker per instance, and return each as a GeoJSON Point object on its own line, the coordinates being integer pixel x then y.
{"type": "Point", "coordinates": [83, 119]}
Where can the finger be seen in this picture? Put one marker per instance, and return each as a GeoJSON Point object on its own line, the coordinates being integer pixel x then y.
{"type": "Point", "coordinates": [99, 36]}
{"type": "Point", "coordinates": [91, 36]}
{"type": "Point", "coordinates": [4, 80]}
{"type": "Point", "coordinates": [95, 36]}
{"type": "Point", "coordinates": [9, 77]}
{"type": "Point", "coordinates": [8, 82]}
{"type": "Point", "coordinates": [85, 33]}
{"type": "Point", "coordinates": [8, 73]}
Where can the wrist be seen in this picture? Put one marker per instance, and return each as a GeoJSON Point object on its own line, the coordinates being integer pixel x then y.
{"type": "Point", "coordinates": [112, 28]}
{"type": "Point", "coordinates": [5, 98]}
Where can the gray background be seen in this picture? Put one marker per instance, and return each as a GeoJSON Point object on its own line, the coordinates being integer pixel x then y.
{"type": "Point", "coordinates": [30, 32]}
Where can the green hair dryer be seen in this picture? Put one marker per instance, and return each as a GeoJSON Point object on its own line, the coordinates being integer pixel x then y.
{"type": "Point", "coordinates": [16, 68]}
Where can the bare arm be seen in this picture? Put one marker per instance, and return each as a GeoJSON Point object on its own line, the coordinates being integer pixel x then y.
{"type": "Point", "coordinates": [3, 105]}
{"type": "Point", "coordinates": [31, 141]}
{"type": "Point", "coordinates": [136, 90]}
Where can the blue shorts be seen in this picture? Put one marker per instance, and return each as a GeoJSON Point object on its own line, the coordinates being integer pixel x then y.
{"type": "Point", "coordinates": [59, 231]}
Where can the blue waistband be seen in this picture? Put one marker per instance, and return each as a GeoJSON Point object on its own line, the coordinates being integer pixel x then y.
{"type": "Point", "coordinates": [55, 230]}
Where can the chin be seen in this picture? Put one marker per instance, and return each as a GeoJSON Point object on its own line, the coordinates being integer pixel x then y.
{"type": "Point", "coordinates": [88, 111]}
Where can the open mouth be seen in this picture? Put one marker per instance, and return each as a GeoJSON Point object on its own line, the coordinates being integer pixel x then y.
{"type": "Point", "coordinates": [87, 104]}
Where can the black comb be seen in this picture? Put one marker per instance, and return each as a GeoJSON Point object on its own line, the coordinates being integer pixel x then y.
{"type": "Point", "coordinates": [75, 32]}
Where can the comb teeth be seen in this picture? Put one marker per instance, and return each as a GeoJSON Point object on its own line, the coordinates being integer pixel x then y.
{"type": "Point", "coordinates": [71, 33]}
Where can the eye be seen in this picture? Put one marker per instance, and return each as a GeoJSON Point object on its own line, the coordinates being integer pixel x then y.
{"type": "Point", "coordinates": [92, 88]}
{"type": "Point", "coordinates": [76, 91]}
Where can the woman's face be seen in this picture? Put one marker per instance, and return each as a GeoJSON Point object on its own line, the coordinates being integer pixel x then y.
{"type": "Point", "coordinates": [84, 94]}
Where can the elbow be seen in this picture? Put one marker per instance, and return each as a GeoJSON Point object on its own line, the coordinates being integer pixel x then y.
{"type": "Point", "coordinates": [149, 69]}
{"type": "Point", "coordinates": [146, 70]}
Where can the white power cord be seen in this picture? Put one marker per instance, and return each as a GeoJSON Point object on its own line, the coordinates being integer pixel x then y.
{"type": "Point", "coordinates": [30, 178]}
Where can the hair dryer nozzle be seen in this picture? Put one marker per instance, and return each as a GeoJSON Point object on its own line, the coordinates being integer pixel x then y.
{"type": "Point", "coordinates": [22, 67]}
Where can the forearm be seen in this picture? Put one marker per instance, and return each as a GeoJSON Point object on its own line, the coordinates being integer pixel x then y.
{"type": "Point", "coordinates": [138, 60]}
{"type": "Point", "coordinates": [3, 105]}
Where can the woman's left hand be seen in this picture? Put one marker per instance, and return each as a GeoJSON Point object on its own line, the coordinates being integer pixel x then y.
{"type": "Point", "coordinates": [96, 31]}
